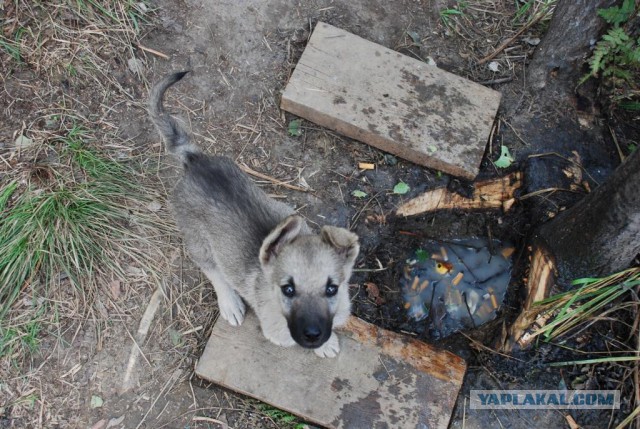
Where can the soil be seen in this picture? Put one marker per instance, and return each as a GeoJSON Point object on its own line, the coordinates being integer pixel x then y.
{"type": "Point", "coordinates": [240, 55]}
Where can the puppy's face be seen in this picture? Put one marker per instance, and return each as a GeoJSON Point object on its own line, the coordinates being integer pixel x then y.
{"type": "Point", "coordinates": [310, 276]}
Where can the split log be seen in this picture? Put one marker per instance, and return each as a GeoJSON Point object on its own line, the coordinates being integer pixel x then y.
{"type": "Point", "coordinates": [487, 194]}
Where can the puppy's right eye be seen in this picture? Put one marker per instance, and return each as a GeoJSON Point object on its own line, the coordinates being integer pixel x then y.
{"type": "Point", "coordinates": [289, 290]}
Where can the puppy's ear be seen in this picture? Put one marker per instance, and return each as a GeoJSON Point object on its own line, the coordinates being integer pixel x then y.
{"type": "Point", "coordinates": [282, 234]}
{"type": "Point", "coordinates": [343, 241]}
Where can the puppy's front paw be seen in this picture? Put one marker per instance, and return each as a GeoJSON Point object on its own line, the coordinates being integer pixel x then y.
{"type": "Point", "coordinates": [330, 349]}
{"type": "Point", "coordinates": [280, 337]}
{"type": "Point", "coordinates": [232, 308]}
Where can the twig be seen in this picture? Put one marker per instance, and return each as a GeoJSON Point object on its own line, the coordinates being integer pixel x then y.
{"type": "Point", "coordinates": [497, 81]}
{"type": "Point", "coordinates": [248, 170]}
{"type": "Point", "coordinates": [209, 420]}
{"type": "Point", "coordinates": [571, 422]}
{"type": "Point", "coordinates": [515, 132]}
{"type": "Point", "coordinates": [615, 140]}
{"type": "Point", "coordinates": [171, 380]}
{"type": "Point", "coordinates": [153, 51]}
{"type": "Point", "coordinates": [544, 191]}
{"type": "Point", "coordinates": [510, 40]}
{"type": "Point", "coordinates": [488, 349]}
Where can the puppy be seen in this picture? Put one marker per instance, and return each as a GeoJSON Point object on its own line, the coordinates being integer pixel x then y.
{"type": "Point", "coordinates": [256, 250]}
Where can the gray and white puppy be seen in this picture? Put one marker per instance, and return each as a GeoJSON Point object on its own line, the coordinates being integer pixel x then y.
{"type": "Point", "coordinates": [256, 249]}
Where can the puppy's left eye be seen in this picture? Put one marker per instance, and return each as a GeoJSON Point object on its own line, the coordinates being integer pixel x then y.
{"type": "Point", "coordinates": [289, 290]}
{"type": "Point", "coordinates": [332, 289]}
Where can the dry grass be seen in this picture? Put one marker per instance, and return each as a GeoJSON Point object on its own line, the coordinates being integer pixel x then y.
{"type": "Point", "coordinates": [73, 38]}
{"type": "Point", "coordinates": [83, 230]}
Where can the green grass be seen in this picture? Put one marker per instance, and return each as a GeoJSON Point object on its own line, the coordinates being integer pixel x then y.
{"type": "Point", "coordinates": [12, 47]}
{"type": "Point", "coordinates": [71, 220]}
{"type": "Point", "coordinates": [23, 338]}
{"type": "Point", "coordinates": [530, 10]}
{"type": "Point", "coordinates": [447, 16]}
{"type": "Point", "coordinates": [113, 12]}
{"type": "Point", "coordinates": [592, 298]}
{"type": "Point", "coordinates": [281, 418]}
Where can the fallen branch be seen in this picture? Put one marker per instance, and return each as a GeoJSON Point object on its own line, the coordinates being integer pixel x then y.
{"type": "Point", "coordinates": [141, 335]}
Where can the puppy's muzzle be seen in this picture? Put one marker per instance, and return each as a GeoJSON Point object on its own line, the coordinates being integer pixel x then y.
{"type": "Point", "coordinates": [310, 330]}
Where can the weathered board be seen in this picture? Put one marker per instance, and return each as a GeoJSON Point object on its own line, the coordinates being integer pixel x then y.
{"type": "Point", "coordinates": [393, 102]}
{"type": "Point", "coordinates": [379, 380]}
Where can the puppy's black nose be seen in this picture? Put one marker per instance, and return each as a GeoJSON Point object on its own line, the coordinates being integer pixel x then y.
{"type": "Point", "coordinates": [312, 333]}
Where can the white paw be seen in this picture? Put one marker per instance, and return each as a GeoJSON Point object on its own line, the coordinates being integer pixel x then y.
{"type": "Point", "coordinates": [232, 308]}
{"type": "Point", "coordinates": [281, 337]}
{"type": "Point", "coordinates": [330, 349]}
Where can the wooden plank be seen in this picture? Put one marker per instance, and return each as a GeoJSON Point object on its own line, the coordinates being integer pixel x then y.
{"type": "Point", "coordinates": [379, 379]}
{"type": "Point", "coordinates": [393, 102]}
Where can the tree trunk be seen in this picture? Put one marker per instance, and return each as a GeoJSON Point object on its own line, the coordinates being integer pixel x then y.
{"type": "Point", "coordinates": [599, 235]}
{"type": "Point", "coordinates": [573, 31]}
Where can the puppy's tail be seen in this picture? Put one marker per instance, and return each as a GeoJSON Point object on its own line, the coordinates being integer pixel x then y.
{"type": "Point", "coordinates": [172, 131]}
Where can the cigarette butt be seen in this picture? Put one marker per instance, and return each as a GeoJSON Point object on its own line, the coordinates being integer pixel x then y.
{"type": "Point", "coordinates": [443, 251]}
{"type": "Point", "coordinates": [508, 251]}
{"type": "Point", "coordinates": [494, 301]}
{"type": "Point", "coordinates": [414, 285]}
{"type": "Point", "coordinates": [407, 305]}
{"type": "Point", "coordinates": [457, 279]}
{"type": "Point", "coordinates": [423, 285]}
{"type": "Point", "coordinates": [366, 166]}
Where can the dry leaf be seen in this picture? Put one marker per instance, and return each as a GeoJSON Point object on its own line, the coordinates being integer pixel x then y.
{"type": "Point", "coordinates": [114, 288]}
{"type": "Point", "coordinates": [376, 218]}
{"type": "Point", "coordinates": [154, 206]}
{"type": "Point", "coordinates": [115, 421]}
{"type": "Point", "coordinates": [374, 293]}
{"type": "Point", "coordinates": [102, 424]}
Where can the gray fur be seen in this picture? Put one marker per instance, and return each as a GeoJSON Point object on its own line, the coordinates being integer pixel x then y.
{"type": "Point", "coordinates": [250, 246]}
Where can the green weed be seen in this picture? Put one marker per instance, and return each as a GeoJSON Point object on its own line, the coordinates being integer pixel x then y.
{"type": "Point", "coordinates": [281, 418]}
{"type": "Point", "coordinates": [448, 16]}
{"type": "Point", "coordinates": [22, 338]}
{"type": "Point", "coordinates": [12, 47]}
{"type": "Point", "coordinates": [616, 58]}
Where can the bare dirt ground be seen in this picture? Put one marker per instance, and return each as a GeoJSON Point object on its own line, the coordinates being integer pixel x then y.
{"type": "Point", "coordinates": [241, 54]}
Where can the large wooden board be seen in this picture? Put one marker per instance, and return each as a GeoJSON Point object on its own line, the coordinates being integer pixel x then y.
{"type": "Point", "coordinates": [379, 380]}
{"type": "Point", "coordinates": [393, 102]}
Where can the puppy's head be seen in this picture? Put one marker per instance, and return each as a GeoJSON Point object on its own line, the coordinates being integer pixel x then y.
{"type": "Point", "coordinates": [310, 275]}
